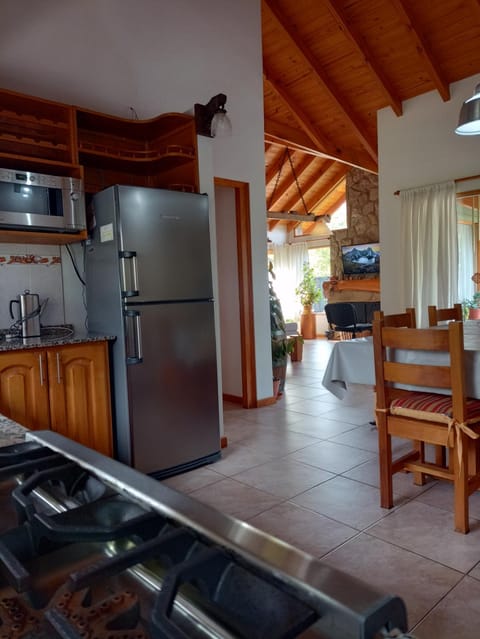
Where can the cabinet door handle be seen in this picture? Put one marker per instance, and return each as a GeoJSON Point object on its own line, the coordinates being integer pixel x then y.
{"type": "Point", "coordinates": [59, 378]}
{"type": "Point", "coordinates": [40, 365]}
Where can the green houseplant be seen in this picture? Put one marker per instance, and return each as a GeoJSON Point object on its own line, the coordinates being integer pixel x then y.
{"type": "Point", "coordinates": [308, 293]}
{"type": "Point", "coordinates": [471, 307]}
{"type": "Point", "coordinates": [281, 345]}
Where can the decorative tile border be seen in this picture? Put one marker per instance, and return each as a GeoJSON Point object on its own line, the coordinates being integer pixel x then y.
{"type": "Point", "coordinates": [35, 260]}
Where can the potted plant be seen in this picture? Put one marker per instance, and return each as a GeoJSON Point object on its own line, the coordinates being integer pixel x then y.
{"type": "Point", "coordinates": [308, 293]}
{"type": "Point", "coordinates": [281, 345]}
{"type": "Point", "coordinates": [471, 307]}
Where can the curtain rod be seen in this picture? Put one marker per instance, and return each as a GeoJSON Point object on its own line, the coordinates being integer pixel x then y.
{"type": "Point", "coordinates": [462, 179]}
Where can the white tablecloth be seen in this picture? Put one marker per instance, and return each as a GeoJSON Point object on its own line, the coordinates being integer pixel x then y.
{"type": "Point", "coordinates": [351, 362]}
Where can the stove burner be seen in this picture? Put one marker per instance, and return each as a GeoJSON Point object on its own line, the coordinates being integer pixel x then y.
{"type": "Point", "coordinates": [16, 620]}
{"type": "Point", "coordinates": [90, 549]}
{"type": "Point", "coordinates": [73, 615]}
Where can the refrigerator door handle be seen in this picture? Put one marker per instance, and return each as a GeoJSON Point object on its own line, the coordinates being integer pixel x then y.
{"type": "Point", "coordinates": [133, 333]}
{"type": "Point", "coordinates": [129, 273]}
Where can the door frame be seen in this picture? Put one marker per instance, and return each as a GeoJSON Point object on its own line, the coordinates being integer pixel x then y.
{"type": "Point", "coordinates": [245, 288]}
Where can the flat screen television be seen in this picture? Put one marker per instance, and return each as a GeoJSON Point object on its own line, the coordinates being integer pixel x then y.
{"type": "Point", "coordinates": [359, 259]}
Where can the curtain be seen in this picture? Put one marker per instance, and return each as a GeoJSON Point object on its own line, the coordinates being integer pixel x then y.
{"type": "Point", "coordinates": [288, 260]}
{"type": "Point", "coordinates": [430, 247]}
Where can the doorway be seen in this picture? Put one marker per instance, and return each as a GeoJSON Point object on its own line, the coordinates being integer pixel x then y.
{"type": "Point", "coordinates": [235, 291]}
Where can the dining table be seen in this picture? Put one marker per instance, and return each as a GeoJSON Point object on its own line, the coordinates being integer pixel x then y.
{"type": "Point", "coordinates": [352, 362]}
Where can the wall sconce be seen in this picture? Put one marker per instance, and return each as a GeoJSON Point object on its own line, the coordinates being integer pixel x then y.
{"type": "Point", "coordinates": [469, 120]}
{"type": "Point", "coordinates": [211, 119]}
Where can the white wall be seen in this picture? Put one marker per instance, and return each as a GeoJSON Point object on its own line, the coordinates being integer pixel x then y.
{"type": "Point", "coordinates": [416, 149]}
{"type": "Point", "coordinates": [155, 56]}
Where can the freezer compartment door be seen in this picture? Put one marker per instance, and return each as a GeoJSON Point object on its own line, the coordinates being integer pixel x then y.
{"type": "Point", "coordinates": [173, 391]}
{"type": "Point", "coordinates": [164, 242]}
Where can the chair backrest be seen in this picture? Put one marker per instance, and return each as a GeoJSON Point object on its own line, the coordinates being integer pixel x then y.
{"type": "Point", "coordinates": [407, 319]}
{"type": "Point", "coordinates": [340, 314]}
{"type": "Point", "coordinates": [448, 373]}
{"type": "Point", "coordinates": [436, 315]}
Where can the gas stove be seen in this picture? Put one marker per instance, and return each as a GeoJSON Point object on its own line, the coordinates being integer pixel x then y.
{"type": "Point", "coordinates": [93, 549]}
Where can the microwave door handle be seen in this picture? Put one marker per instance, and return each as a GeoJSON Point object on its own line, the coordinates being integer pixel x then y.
{"type": "Point", "coordinates": [129, 273]}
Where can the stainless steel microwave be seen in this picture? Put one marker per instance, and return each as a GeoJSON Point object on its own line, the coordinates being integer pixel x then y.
{"type": "Point", "coordinates": [35, 201]}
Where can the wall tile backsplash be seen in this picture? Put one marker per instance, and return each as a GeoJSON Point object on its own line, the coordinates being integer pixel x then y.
{"type": "Point", "coordinates": [37, 268]}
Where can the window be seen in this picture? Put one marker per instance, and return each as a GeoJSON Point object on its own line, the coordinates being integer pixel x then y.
{"type": "Point", "coordinates": [319, 260]}
{"type": "Point", "coordinates": [468, 208]}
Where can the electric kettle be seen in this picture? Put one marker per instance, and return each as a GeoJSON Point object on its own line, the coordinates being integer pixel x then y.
{"type": "Point", "coordinates": [29, 313]}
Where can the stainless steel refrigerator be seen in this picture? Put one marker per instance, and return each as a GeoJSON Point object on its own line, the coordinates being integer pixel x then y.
{"type": "Point", "coordinates": [149, 283]}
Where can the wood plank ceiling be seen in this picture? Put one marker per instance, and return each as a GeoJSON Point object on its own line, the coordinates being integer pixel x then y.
{"type": "Point", "coordinates": [328, 66]}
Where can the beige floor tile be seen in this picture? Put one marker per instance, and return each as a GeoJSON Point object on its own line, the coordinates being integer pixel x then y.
{"type": "Point", "coordinates": [353, 414]}
{"type": "Point", "coordinates": [350, 502]}
{"type": "Point", "coordinates": [309, 531]}
{"type": "Point", "coordinates": [278, 443]}
{"type": "Point", "coordinates": [317, 408]}
{"type": "Point", "coordinates": [283, 477]}
{"type": "Point", "coordinates": [475, 572]}
{"type": "Point", "coordinates": [403, 485]}
{"type": "Point", "coordinates": [457, 616]}
{"type": "Point", "coordinates": [237, 457]}
{"type": "Point", "coordinates": [441, 496]}
{"type": "Point", "coordinates": [321, 427]}
{"type": "Point", "coordinates": [336, 458]}
{"type": "Point", "coordinates": [429, 532]}
{"type": "Point", "coordinates": [294, 393]}
{"type": "Point", "coordinates": [236, 499]}
{"type": "Point", "coordinates": [389, 569]}
{"type": "Point", "coordinates": [276, 416]}
{"type": "Point", "coordinates": [194, 479]}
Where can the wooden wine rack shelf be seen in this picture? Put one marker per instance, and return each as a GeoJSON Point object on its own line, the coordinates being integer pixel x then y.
{"type": "Point", "coordinates": [61, 139]}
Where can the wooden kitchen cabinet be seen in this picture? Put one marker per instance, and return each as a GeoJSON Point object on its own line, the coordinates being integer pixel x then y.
{"type": "Point", "coordinates": [24, 388]}
{"type": "Point", "coordinates": [62, 388]}
{"type": "Point", "coordinates": [101, 149]}
{"type": "Point", "coordinates": [79, 392]}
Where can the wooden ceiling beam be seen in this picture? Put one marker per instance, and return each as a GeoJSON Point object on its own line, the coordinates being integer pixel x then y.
{"type": "Point", "coordinates": [291, 226]}
{"type": "Point", "coordinates": [271, 224]}
{"type": "Point", "coordinates": [474, 6]}
{"type": "Point", "coordinates": [295, 200]}
{"type": "Point", "coordinates": [330, 210]}
{"type": "Point", "coordinates": [423, 49]}
{"type": "Point", "coordinates": [285, 184]}
{"type": "Point", "coordinates": [331, 185]}
{"type": "Point", "coordinates": [302, 120]}
{"type": "Point", "coordinates": [290, 215]}
{"type": "Point", "coordinates": [274, 165]}
{"type": "Point", "coordinates": [362, 49]}
{"type": "Point", "coordinates": [282, 136]}
{"type": "Point", "coordinates": [322, 79]}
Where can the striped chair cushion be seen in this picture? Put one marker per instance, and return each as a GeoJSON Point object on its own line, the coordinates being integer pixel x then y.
{"type": "Point", "coordinates": [432, 407]}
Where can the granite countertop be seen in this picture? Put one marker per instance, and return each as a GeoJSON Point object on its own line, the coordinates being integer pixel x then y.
{"type": "Point", "coordinates": [10, 431]}
{"type": "Point", "coordinates": [50, 336]}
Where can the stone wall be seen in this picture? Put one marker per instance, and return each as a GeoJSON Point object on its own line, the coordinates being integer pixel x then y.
{"type": "Point", "coordinates": [362, 218]}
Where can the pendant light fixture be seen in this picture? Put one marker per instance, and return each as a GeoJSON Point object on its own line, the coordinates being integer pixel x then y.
{"type": "Point", "coordinates": [469, 120]}
{"type": "Point", "coordinates": [321, 227]}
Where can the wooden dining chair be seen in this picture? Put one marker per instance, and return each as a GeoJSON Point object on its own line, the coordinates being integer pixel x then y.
{"type": "Point", "coordinates": [436, 315]}
{"type": "Point", "coordinates": [415, 413]}
{"type": "Point", "coordinates": [407, 319]}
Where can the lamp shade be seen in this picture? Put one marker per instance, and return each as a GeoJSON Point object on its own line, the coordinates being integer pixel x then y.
{"type": "Point", "coordinates": [469, 120]}
{"type": "Point", "coordinates": [221, 126]}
